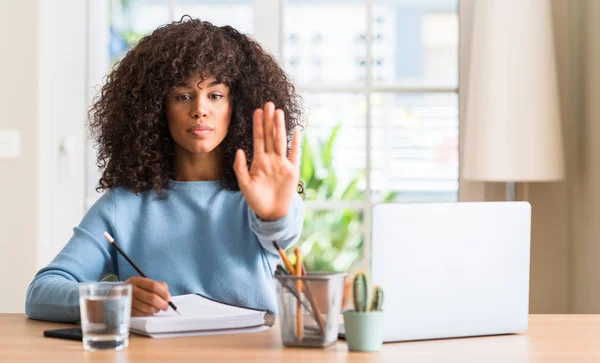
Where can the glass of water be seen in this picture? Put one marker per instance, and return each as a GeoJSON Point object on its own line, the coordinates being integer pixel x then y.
{"type": "Point", "coordinates": [105, 314]}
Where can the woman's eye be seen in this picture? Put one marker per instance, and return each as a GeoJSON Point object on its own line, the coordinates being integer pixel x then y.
{"type": "Point", "coordinates": [216, 96]}
{"type": "Point", "coordinates": [182, 97]}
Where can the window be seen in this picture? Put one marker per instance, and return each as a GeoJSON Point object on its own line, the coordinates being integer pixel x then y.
{"type": "Point", "coordinates": [379, 79]}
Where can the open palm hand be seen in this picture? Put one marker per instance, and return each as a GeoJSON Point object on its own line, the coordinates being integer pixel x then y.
{"type": "Point", "coordinates": [270, 183]}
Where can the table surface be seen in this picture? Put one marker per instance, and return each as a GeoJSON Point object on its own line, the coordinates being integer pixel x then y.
{"type": "Point", "coordinates": [550, 338]}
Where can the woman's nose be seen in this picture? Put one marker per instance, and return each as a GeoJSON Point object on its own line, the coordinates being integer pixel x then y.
{"type": "Point", "coordinates": [199, 111]}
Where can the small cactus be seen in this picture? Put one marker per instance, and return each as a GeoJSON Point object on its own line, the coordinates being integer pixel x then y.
{"type": "Point", "coordinates": [377, 302]}
{"type": "Point", "coordinates": [361, 292]}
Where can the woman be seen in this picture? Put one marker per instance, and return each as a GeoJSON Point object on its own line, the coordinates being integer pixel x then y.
{"type": "Point", "coordinates": [196, 133]}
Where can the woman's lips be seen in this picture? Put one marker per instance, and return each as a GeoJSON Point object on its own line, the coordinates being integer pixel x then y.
{"type": "Point", "coordinates": [200, 130]}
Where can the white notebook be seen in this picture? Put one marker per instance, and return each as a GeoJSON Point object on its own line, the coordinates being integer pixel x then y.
{"type": "Point", "coordinates": [201, 316]}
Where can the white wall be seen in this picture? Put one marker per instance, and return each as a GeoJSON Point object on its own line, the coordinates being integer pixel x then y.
{"type": "Point", "coordinates": [62, 118]}
{"type": "Point", "coordinates": [42, 96]}
{"type": "Point", "coordinates": [18, 102]}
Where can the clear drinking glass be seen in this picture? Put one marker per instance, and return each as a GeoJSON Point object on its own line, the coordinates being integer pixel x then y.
{"type": "Point", "coordinates": [313, 320]}
{"type": "Point", "coordinates": [105, 314]}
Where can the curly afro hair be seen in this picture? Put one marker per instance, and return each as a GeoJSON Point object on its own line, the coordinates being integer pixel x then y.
{"type": "Point", "coordinates": [128, 118]}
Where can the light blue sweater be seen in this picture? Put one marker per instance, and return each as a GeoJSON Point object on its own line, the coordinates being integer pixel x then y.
{"type": "Point", "coordinates": [200, 239]}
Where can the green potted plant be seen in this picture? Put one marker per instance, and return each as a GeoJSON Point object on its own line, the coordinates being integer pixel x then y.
{"type": "Point", "coordinates": [365, 324]}
{"type": "Point", "coordinates": [332, 239]}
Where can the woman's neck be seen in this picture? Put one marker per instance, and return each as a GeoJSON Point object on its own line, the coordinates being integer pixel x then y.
{"type": "Point", "coordinates": [197, 167]}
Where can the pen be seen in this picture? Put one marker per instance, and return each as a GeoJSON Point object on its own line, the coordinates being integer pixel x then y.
{"type": "Point", "coordinates": [111, 240]}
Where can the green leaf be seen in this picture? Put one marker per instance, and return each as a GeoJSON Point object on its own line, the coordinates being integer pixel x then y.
{"type": "Point", "coordinates": [389, 197]}
{"type": "Point", "coordinates": [345, 260]}
{"type": "Point", "coordinates": [327, 154]}
{"type": "Point", "coordinates": [306, 166]}
{"type": "Point", "coordinates": [351, 191]}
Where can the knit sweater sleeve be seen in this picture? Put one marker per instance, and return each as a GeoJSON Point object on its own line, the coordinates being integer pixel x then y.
{"type": "Point", "coordinates": [286, 231]}
{"type": "Point", "coordinates": [53, 294]}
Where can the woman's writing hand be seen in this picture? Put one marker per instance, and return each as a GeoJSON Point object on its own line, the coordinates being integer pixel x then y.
{"type": "Point", "coordinates": [148, 296]}
{"type": "Point", "coordinates": [272, 180]}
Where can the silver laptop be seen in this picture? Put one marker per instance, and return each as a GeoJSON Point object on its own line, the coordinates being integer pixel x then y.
{"type": "Point", "coordinates": [452, 270]}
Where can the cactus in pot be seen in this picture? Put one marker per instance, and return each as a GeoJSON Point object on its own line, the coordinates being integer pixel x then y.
{"type": "Point", "coordinates": [361, 294]}
{"type": "Point", "coordinates": [377, 300]}
{"type": "Point", "coordinates": [364, 324]}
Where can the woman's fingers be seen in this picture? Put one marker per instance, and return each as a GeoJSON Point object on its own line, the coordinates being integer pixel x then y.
{"type": "Point", "coordinates": [240, 167]}
{"type": "Point", "coordinates": [295, 151]}
{"type": "Point", "coordinates": [258, 133]}
{"type": "Point", "coordinates": [159, 288]}
{"type": "Point", "coordinates": [143, 307]}
{"type": "Point", "coordinates": [136, 312]}
{"type": "Point", "coordinates": [280, 134]}
{"type": "Point", "coordinates": [270, 135]}
{"type": "Point", "coordinates": [148, 296]}
{"type": "Point", "coordinates": [269, 127]}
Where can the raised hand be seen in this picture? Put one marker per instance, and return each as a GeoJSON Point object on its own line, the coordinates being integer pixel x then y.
{"type": "Point", "coordinates": [272, 180]}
